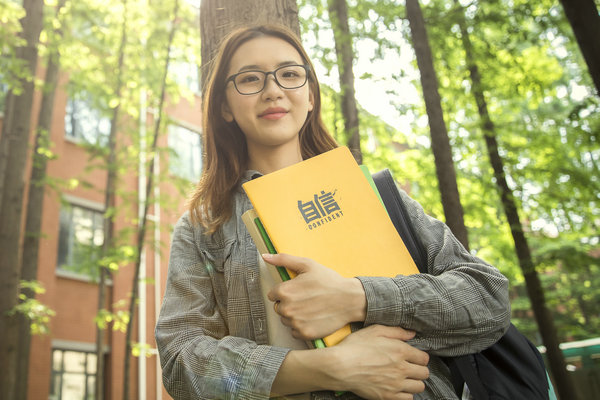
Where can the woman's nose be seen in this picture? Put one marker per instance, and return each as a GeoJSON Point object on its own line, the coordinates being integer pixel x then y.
{"type": "Point", "coordinates": [272, 88]}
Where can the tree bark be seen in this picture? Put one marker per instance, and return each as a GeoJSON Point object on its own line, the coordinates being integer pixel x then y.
{"type": "Point", "coordinates": [11, 209]}
{"type": "Point", "coordinates": [585, 22]}
{"type": "Point", "coordinates": [219, 17]}
{"type": "Point", "coordinates": [543, 316]}
{"type": "Point", "coordinates": [440, 144]}
{"type": "Point", "coordinates": [6, 123]}
{"type": "Point", "coordinates": [35, 201]}
{"type": "Point", "coordinates": [338, 14]}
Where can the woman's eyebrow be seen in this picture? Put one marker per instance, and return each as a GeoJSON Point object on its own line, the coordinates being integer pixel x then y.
{"type": "Point", "coordinates": [254, 67]}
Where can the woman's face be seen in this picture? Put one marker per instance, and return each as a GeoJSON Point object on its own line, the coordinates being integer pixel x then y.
{"type": "Point", "coordinates": [272, 118]}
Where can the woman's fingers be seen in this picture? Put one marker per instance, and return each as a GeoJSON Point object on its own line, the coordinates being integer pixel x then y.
{"type": "Point", "coordinates": [413, 386]}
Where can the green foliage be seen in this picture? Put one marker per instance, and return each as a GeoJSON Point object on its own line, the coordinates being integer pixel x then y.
{"type": "Point", "coordinates": [12, 68]}
{"type": "Point", "coordinates": [36, 312]}
{"type": "Point", "coordinates": [86, 35]}
{"type": "Point", "coordinates": [541, 100]}
{"type": "Point", "coordinates": [89, 47]}
{"type": "Point", "coordinates": [531, 83]}
{"type": "Point", "coordinates": [138, 349]}
{"type": "Point", "coordinates": [118, 257]}
{"type": "Point", "coordinates": [118, 319]}
{"type": "Point", "coordinates": [573, 272]}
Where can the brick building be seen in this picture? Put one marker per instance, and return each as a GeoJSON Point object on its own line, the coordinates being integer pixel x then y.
{"type": "Point", "coordinates": [62, 364]}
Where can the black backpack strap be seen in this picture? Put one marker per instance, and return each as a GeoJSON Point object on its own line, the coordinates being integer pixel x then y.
{"type": "Point", "coordinates": [512, 368]}
{"type": "Point", "coordinates": [464, 369]}
{"type": "Point", "coordinates": [397, 211]}
{"type": "Point", "coordinates": [384, 181]}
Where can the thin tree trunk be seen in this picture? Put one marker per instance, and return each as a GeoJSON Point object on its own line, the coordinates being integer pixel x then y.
{"type": "Point", "coordinates": [440, 144]}
{"type": "Point", "coordinates": [35, 201]}
{"type": "Point", "coordinates": [109, 204]}
{"type": "Point", "coordinates": [544, 318]}
{"type": "Point", "coordinates": [585, 21]}
{"type": "Point", "coordinates": [144, 219]}
{"type": "Point", "coordinates": [219, 17]}
{"type": "Point", "coordinates": [583, 305]}
{"type": "Point", "coordinates": [338, 14]}
{"type": "Point", "coordinates": [6, 123]}
{"type": "Point", "coordinates": [11, 209]}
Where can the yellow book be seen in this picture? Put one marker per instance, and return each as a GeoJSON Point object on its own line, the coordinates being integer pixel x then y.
{"type": "Point", "coordinates": [324, 208]}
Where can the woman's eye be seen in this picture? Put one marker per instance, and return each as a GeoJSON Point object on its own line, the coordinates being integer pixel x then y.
{"type": "Point", "coordinates": [290, 74]}
{"type": "Point", "coordinates": [248, 78]}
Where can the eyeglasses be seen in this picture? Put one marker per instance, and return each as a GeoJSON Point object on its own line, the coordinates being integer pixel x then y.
{"type": "Point", "coordinates": [287, 77]}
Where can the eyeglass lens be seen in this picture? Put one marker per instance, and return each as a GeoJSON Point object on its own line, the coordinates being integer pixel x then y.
{"type": "Point", "coordinates": [287, 77]}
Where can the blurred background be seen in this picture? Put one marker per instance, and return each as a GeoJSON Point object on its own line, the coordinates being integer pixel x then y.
{"type": "Point", "coordinates": [486, 112]}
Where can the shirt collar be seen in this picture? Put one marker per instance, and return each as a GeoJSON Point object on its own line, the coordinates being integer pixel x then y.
{"type": "Point", "coordinates": [251, 174]}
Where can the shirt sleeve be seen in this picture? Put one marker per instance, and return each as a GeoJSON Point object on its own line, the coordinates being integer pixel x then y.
{"type": "Point", "coordinates": [461, 306]}
{"type": "Point", "coordinates": [199, 359]}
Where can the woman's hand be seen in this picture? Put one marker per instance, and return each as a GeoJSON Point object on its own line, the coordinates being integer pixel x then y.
{"type": "Point", "coordinates": [374, 363]}
{"type": "Point", "coordinates": [377, 363]}
{"type": "Point", "coordinates": [318, 301]}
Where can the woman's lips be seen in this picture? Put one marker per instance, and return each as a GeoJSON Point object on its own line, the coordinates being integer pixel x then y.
{"type": "Point", "coordinates": [273, 113]}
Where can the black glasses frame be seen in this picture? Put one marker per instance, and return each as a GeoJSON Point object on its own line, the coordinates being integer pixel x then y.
{"type": "Point", "coordinates": [232, 78]}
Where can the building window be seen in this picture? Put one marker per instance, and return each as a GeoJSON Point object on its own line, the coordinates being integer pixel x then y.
{"type": "Point", "coordinates": [85, 123]}
{"type": "Point", "coordinates": [73, 375]}
{"type": "Point", "coordinates": [80, 240]}
{"type": "Point", "coordinates": [185, 153]}
{"type": "Point", "coordinates": [186, 74]}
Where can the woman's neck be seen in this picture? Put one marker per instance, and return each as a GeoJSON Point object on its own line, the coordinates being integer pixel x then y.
{"type": "Point", "coordinates": [267, 160]}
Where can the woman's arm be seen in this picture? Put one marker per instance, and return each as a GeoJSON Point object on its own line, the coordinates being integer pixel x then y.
{"type": "Point", "coordinates": [374, 363]}
{"type": "Point", "coordinates": [200, 360]}
{"type": "Point", "coordinates": [460, 307]}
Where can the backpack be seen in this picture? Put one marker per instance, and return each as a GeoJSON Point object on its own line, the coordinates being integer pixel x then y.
{"type": "Point", "coordinates": [510, 369]}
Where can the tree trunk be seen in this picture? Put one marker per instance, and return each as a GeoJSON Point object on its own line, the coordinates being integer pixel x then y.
{"type": "Point", "coordinates": [6, 123]}
{"type": "Point", "coordinates": [219, 17]}
{"type": "Point", "coordinates": [109, 205]}
{"type": "Point", "coordinates": [338, 14]}
{"type": "Point", "coordinates": [35, 201]}
{"type": "Point", "coordinates": [585, 22]}
{"type": "Point", "coordinates": [440, 144]}
{"type": "Point", "coordinates": [144, 219]}
{"type": "Point", "coordinates": [544, 318]}
{"type": "Point", "coordinates": [11, 209]}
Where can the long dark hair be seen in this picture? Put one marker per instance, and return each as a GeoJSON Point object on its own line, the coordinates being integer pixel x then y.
{"type": "Point", "coordinates": [225, 152]}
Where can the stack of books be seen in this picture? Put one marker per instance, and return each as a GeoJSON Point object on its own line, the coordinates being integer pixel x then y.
{"type": "Point", "coordinates": [326, 208]}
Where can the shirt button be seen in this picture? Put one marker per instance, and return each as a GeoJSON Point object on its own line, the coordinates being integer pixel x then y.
{"type": "Point", "coordinates": [259, 323]}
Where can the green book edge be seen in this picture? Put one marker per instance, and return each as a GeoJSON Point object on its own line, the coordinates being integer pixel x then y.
{"type": "Point", "coordinates": [367, 173]}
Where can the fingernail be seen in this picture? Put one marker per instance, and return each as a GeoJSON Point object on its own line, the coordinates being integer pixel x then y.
{"type": "Point", "coordinates": [267, 256]}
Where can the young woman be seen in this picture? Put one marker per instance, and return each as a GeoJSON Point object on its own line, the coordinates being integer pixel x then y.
{"type": "Point", "coordinates": [262, 113]}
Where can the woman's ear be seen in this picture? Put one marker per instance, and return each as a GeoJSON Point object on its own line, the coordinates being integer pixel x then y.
{"type": "Point", "coordinates": [311, 100]}
{"type": "Point", "coordinates": [226, 112]}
